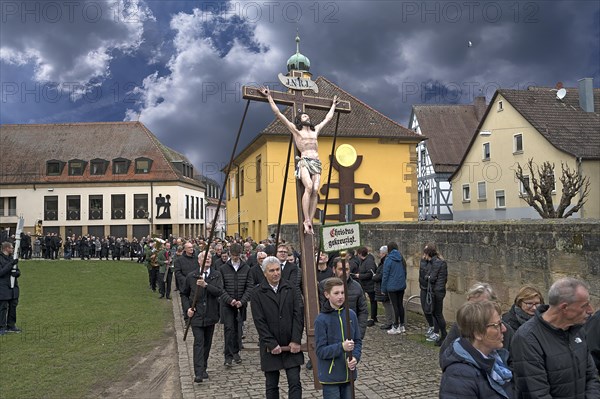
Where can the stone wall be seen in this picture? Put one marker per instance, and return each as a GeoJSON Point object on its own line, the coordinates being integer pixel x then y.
{"type": "Point", "coordinates": [506, 254]}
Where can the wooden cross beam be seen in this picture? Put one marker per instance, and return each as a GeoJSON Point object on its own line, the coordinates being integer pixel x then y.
{"type": "Point", "coordinates": [299, 103]}
{"type": "Point", "coordinates": [295, 99]}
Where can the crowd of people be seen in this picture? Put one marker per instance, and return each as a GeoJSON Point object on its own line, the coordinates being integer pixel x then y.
{"type": "Point", "coordinates": [53, 246]}
{"type": "Point", "coordinates": [532, 350]}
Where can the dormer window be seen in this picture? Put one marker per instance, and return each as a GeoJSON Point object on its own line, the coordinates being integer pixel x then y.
{"type": "Point", "coordinates": [98, 167]}
{"type": "Point", "coordinates": [120, 166]}
{"type": "Point", "coordinates": [186, 169]}
{"type": "Point", "coordinates": [143, 165]}
{"type": "Point", "coordinates": [76, 167]}
{"type": "Point", "coordinates": [54, 168]}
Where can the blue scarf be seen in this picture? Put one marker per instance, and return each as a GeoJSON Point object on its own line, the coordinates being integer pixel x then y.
{"type": "Point", "coordinates": [500, 372]}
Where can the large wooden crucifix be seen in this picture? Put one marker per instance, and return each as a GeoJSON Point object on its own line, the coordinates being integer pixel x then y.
{"type": "Point", "coordinates": [300, 102]}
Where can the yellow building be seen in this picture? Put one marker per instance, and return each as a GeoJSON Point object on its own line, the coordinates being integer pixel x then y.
{"type": "Point", "coordinates": [381, 186]}
{"type": "Point", "coordinates": [539, 123]}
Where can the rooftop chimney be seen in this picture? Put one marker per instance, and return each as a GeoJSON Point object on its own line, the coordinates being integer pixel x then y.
{"type": "Point", "coordinates": [480, 107]}
{"type": "Point", "coordinates": [586, 94]}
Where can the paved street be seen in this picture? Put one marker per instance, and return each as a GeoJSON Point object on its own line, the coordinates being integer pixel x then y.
{"type": "Point", "coordinates": [392, 366]}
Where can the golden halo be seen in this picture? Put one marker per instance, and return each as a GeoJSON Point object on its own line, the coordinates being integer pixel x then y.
{"type": "Point", "coordinates": [345, 155]}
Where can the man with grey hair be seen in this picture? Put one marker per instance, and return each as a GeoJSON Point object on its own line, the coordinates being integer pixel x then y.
{"type": "Point", "coordinates": [550, 356]}
{"type": "Point", "coordinates": [277, 313]}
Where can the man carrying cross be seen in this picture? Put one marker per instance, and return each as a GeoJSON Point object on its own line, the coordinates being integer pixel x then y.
{"type": "Point", "coordinates": [309, 166]}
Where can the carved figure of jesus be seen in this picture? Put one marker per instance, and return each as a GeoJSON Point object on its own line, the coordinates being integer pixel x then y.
{"type": "Point", "coordinates": [309, 166]}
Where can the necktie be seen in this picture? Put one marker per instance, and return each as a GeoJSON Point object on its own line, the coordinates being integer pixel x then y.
{"type": "Point", "coordinates": [205, 275]}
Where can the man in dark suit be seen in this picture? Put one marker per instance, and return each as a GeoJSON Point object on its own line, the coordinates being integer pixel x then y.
{"type": "Point", "coordinates": [289, 270]}
{"type": "Point", "coordinates": [205, 314]}
{"type": "Point", "coordinates": [277, 314]}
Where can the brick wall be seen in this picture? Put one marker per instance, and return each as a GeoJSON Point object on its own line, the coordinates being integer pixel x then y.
{"type": "Point", "coordinates": [506, 254]}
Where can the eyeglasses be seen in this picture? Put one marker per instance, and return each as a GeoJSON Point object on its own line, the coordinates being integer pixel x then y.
{"type": "Point", "coordinates": [497, 326]}
{"type": "Point", "coordinates": [532, 304]}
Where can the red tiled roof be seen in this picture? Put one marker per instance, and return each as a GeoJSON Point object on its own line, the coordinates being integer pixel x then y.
{"type": "Point", "coordinates": [449, 129]}
{"type": "Point", "coordinates": [25, 149]}
{"type": "Point", "coordinates": [363, 121]}
{"type": "Point", "coordinates": [562, 122]}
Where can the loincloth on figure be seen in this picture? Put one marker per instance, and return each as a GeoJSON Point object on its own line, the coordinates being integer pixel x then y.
{"type": "Point", "coordinates": [313, 166]}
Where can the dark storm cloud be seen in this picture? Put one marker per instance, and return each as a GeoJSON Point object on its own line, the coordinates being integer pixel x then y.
{"type": "Point", "coordinates": [390, 54]}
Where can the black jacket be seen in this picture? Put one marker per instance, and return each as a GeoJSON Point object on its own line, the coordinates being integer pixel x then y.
{"type": "Point", "coordinates": [379, 296]}
{"type": "Point", "coordinates": [236, 285]}
{"type": "Point", "coordinates": [592, 329]}
{"type": "Point", "coordinates": [553, 363]}
{"type": "Point", "coordinates": [515, 317]}
{"type": "Point", "coordinates": [6, 265]}
{"type": "Point", "coordinates": [366, 271]}
{"type": "Point", "coordinates": [279, 320]}
{"type": "Point", "coordinates": [356, 301]}
{"type": "Point", "coordinates": [207, 305]}
{"type": "Point", "coordinates": [467, 374]}
{"type": "Point", "coordinates": [182, 266]}
{"type": "Point", "coordinates": [290, 273]}
{"type": "Point", "coordinates": [436, 270]}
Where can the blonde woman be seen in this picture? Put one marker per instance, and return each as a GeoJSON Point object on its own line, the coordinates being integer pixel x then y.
{"type": "Point", "coordinates": [526, 302]}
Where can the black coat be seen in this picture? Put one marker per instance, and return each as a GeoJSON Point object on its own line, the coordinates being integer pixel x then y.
{"type": "Point", "coordinates": [279, 321]}
{"type": "Point", "coordinates": [436, 270]}
{"type": "Point", "coordinates": [592, 328]}
{"type": "Point", "coordinates": [356, 302]}
{"type": "Point", "coordinates": [366, 272]}
{"type": "Point", "coordinates": [6, 265]}
{"type": "Point", "coordinates": [551, 362]}
{"type": "Point", "coordinates": [290, 273]}
{"type": "Point", "coordinates": [379, 296]}
{"type": "Point", "coordinates": [515, 317]}
{"type": "Point", "coordinates": [467, 374]}
{"type": "Point", "coordinates": [207, 305]}
{"type": "Point", "coordinates": [182, 266]}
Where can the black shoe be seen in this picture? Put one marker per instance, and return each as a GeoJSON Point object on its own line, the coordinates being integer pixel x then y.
{"type": "Point", "coordinates": [13, 329]}
{"type": "Point", "coordinates": [228, 363]}
{"type": "Point", "coordinates": [161, 297]}
{"type": "Point", "coordinates": [168, 297]}
{"type": "Point", "coordinates": [386, 327]}
{"type": "Point", "coordinates": [439, 342]}
{"type": "Point", "coordinates": [205, 375]}
{"type": "Point", "coordinates": [237, 358]}
{"type": "Point", "coordinates": [370, 323]}
{"type": "Point", "coordinates": [198, 379]}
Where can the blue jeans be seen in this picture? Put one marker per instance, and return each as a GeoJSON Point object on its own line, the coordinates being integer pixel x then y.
{"type": "Point", "coordinates": [337, 391]}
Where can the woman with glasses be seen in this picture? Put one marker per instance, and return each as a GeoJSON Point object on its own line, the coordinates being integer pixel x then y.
{"type": "Point", "coordinates": [526, 302]}
{"type": "Point", "coordinates": [475, 365]}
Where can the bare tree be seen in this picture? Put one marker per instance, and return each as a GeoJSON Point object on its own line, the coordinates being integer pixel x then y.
{"type": "Point", "coordinates": [540, 184]}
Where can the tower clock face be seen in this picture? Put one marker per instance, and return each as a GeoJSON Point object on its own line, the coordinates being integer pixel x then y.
{"type": "Point", "coordinates": [346, 155]}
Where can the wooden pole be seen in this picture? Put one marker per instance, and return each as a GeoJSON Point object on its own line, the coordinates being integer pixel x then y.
{"type": "Point", "coordinates": [214, 223]}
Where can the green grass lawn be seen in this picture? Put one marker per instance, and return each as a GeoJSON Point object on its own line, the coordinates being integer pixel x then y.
{"type": "Point", "coordinates": [83, 324]}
